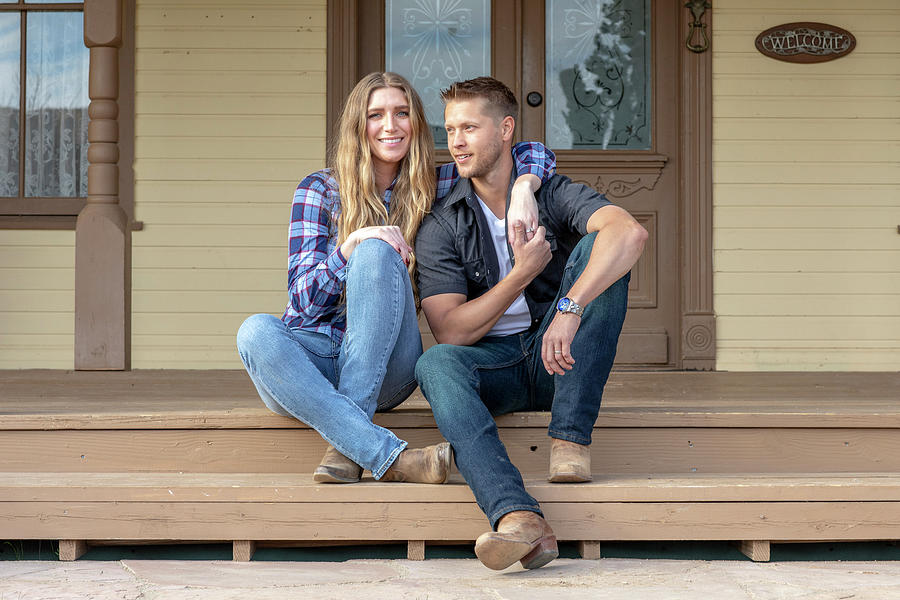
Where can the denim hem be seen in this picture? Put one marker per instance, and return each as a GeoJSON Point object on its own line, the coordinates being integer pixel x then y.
{"type": "Point", "coordinates": [387, 464]}
{"type": "Point", "coordinates": [569, 437]}
{"type": "Point", "coordinates": [498, 514]}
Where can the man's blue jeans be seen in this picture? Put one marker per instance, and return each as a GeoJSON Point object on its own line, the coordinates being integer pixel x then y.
{"type": "Point", "coordinates": [467, 386]}
{"type": "Point", "coordinates": [336, 389]}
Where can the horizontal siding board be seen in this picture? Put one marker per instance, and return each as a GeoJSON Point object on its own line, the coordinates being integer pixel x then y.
{"type": "Point", "coordinates": [754, 238]}
{"type": "Point", "coordinates": [824, 305]}
{"type": "Point", "coordinates": [234, 104]}
{"type": "Point", "coordinates": [232, 148]}
{"type": "Point", "coordinates": [213, 192]}
{"type": "Point", "coordinates": [203, 235]}
{"type": "Point", "coordinates": [209, 280]}
{"type": "Point", "coordinates": [229, 81]}
{"type": "Point", "coordinates": [199, 60]}
{"type": "Point", "coordinates": [267, 38]}
{"type": "Point", "coordinates": [247, 16]}
{"type": "Point", "coordinates": [815, 173]}
{"type": "Point", "coordinates": [807, 283]}
{"type": "Point", "coordinates": [869, 43]}
{"type": "Point", "coordinates": [824, 329]}
{"type": "Point", "coordinates": [285, 170]}
{"type": "Point", "coordinates": [815, 261]}
{"type": "Point", "coordinates": [260, 127]}
{"type": "Point", "coordinates": [791, 217]}
{"type": "Point", "coordinates": [856, 17]}
{"type": "Point", "coordinates": [806, 194]}
{"type": "Point", "coordinates": [173, 213]}
{"type": "Point", "coordinates": [809, 106]}
{"type": "Point", "coordinates": [210, 301]}
{"type": "Point", "coordinates": [229, 259]}
{"type": "Point", "coordinates": [801, 151]}
{"type": "Point", "coordinates": [745, 127]}
{"type": "Point", "coordinates": [754, 63]}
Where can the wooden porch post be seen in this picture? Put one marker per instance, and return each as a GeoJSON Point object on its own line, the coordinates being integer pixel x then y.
{"type": "Point", "coordinates": [102, 233]}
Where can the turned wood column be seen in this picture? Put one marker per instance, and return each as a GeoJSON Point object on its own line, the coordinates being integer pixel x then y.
{"type": "Point", "coordinates": [102, 232]}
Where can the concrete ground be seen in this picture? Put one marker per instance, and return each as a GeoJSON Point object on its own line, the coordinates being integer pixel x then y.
{"type": "Point", "coordinates": [438, 579]}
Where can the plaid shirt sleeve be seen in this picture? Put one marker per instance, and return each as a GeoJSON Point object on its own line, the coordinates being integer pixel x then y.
{"type": "Point", "coordinates": [530, 157]}
{"type": "Point", "coordinates": [316, 267]}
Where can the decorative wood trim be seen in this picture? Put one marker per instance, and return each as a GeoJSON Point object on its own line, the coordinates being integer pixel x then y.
{"type": "Point", "coordinates": [340, 62]}
{"type": "Point", "coordinates": [698, 323]}
{"type": "Point", "coordinates": [50, 222]}
{"type": "Point", "coordinates": [23, 207]}
{"type": "Point", "coordinates": [102, 233]}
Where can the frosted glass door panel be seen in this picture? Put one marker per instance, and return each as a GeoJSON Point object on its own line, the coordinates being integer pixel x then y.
{"type": "Point", "coordinates": [434, 43]}
{"type": "Point", "coordinates": [598, 74]}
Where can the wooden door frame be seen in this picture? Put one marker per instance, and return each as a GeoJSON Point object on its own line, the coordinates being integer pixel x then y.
{"type": "Point", "coordinates": [350, 56]}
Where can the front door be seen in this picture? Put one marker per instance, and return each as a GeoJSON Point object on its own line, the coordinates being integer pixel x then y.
{"type": "Point", "coordinates": [597, 83]}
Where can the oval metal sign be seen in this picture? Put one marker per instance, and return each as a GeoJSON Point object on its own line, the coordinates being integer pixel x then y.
{"type": "Point", "coordinates": [805, 42]}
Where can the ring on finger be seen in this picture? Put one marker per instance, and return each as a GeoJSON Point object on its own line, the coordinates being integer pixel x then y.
{"type": "Point", "coordinates": [557, 352]}
{"type": "Point", "coordinates": [530, 230]}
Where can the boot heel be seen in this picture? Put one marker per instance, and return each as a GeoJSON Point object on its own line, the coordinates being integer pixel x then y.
{"type": "Point", "coordinates": [545, 551]}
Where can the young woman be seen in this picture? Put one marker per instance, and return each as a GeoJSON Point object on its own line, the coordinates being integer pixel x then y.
{"type": "Point", "coordinates": [348, 341]}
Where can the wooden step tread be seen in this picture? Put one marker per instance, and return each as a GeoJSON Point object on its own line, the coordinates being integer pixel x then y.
{"type": "Point", "coordinates": [300, 488]}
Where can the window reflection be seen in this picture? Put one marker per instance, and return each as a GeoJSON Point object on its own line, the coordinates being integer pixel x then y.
{"type": "Point", "coordinates": [598, 74]}
{"type": "Point", "coordinates": [434, 43]}
{"type": "Point", "coordinates": [56, 105]}
{"type": "Point", "coordinates": [9, 104]}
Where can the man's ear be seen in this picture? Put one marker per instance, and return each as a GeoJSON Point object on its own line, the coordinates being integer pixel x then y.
{"type": "Point", "coordinates": [507, 128]}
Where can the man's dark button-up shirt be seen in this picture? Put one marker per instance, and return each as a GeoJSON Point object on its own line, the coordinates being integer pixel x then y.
{"type": "Point", "coordinates": [455, 254]}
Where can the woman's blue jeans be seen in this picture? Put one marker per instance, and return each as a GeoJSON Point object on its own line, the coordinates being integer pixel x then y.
{"type": "Point", "coordinates": [467, 386]}
{"type": "Point", "coordinates": [337, 388]}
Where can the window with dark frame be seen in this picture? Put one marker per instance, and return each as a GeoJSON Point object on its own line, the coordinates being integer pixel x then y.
{"type": "Point", "coordinates": [43, 108]}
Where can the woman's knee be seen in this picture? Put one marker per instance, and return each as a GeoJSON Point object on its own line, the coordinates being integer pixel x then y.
{"type": "Point", "coordinates": [255, 330]}
{"type": "Point", "coordinates": [371, 252]}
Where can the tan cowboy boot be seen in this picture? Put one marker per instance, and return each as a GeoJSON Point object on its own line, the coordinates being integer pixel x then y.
{"type": "Point", "coordinates": [422, 465]}
{"type": "Point", "coordinates": [521, 535]}
{"type": "Point", "coordinates": [569, 462]}
{"type": "Point", "coordinates": [336, 468]}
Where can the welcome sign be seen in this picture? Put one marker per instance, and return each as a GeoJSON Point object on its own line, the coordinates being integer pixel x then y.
{"type": "Point", "coordinates": [805, 42]}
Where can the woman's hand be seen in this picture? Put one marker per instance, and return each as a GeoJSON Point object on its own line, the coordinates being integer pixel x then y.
{"type": "Point", "coordinates": [523, 206]}
{"type": "Point", "coordinates": [387, 233]}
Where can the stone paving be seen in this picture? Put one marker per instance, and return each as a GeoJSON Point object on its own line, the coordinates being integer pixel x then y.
{"type": "Point", "coordinates": [440, 579]}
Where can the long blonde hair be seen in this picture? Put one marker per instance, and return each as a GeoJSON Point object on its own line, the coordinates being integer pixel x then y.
{"type": "Point", "coordinates": [413, 192]}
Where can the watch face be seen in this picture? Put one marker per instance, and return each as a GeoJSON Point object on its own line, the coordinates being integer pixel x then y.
{"type": "Point", "coordinates": [563, 304]}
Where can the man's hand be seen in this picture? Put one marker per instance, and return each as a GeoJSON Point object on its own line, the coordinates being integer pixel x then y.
{"type": "Point", "coordinates": [556, 350]}
{"type": "Point", "coordinates": [523, 206]}
{"type": "Point", "coordinates": [532, 255]}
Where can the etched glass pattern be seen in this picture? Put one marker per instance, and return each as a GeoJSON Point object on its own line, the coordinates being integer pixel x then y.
{"type": "Point", "coordinates": [9, 104]}
{"type": "Point", "coordinates": [56, 105]}
{"type": "Point", "coordinates": [598, 74]}
{"type": "Point", "coordinates": [434, 43]}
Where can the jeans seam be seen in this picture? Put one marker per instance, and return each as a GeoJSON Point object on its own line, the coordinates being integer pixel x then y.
{"type": "Point", "coordinates": [569, 437]}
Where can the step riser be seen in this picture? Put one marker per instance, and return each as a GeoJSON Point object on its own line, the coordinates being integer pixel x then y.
{"type": "Point", "coordinates": [447, 521]}
{"type": "Point", "coordinates": [614, 450]}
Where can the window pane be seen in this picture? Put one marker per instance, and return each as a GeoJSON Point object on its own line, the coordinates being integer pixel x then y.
{"type": "Point", "coordinates": [598, 74]}
{"type": "Point", "coordinates": [56, 105]}
{"type": "Point", "coordinates": [434, 43]}
{"type": "Point", "coordinates": [10, 40]}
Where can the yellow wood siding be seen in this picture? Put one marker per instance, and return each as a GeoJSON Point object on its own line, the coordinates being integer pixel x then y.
{"type": "Point", "coordinates": [230, 115]}
{"type": "Point", "coordinates": [806, 170]}
{"type": "Point", "coordinates": [37, 299]}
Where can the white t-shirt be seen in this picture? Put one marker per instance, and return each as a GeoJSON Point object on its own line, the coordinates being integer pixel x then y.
{"type": "Point", "coordinates": [517, 317]}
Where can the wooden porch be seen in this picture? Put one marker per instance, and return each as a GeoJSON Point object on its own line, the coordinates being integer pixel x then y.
{"type": "Point", "coordinates": [756, 458]}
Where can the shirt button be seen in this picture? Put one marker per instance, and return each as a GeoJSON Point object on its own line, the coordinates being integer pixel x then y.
{"type": "Point", "coordinates": [477, 274]}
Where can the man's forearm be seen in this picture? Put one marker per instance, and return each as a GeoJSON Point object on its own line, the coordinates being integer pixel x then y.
{"type": "Point", "coordinates": [616, 249]}
{"type": "Point", "coordinates": [469, 322]}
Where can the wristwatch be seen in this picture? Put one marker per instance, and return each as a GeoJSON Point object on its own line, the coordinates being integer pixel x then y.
{"type": "Point", "coordinates": [567, 305]}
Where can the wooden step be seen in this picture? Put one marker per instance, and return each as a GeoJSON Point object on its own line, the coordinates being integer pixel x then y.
{"type": "Point", "coordinates": [201, 421]}
{"type": "Point", "coordinates": [250, 508]}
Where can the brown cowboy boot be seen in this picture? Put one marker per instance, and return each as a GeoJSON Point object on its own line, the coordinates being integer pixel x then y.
{"type": "Point", "coordinates": [569, 462]}
{"type": "Point", "coordinates": [336, 468]}
{"type": "Point", "coordinates": [422, 465]}
{"type": "Point", "coordinates": [521, 535]}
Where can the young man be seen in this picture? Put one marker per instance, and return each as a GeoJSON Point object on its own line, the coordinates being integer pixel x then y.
{"type": "Point", "coordinates": [528, 321]}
